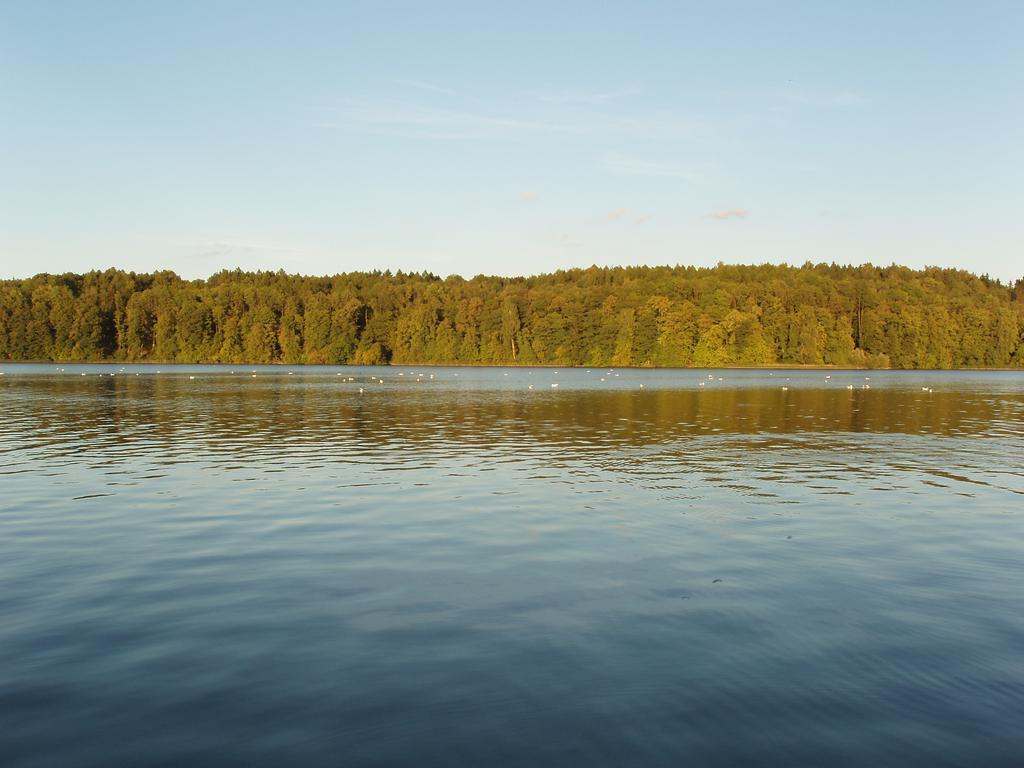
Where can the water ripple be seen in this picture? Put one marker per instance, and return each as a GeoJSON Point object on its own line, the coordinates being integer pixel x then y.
{"type": "Point", "coordinates": [283, 569]}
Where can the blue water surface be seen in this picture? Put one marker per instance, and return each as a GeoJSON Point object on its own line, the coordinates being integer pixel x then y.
{"type": "Point", "coordinates": [202, 565]}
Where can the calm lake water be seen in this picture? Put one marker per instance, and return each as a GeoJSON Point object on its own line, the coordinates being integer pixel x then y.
{"type": "Point", "coordinates": [200, 567]}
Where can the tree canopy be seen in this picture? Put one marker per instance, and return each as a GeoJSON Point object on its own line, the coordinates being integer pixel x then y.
{"type": "Point", "coordinates": [728, 315]}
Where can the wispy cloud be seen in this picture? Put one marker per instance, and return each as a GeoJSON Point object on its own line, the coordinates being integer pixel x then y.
{"type": "Point", "coordinates": [223, 246]}
{"type": "Point", "coordinates": [848, 99]}
{"type": "Point", "coordinates": [402, 115]}
{"type": "Point", "coordinates": [528, 197]}
{"type": "Point", "coordinates": [657, 124]}
{"type": "Point", "coordinates": [208, 254]}
{"type": "Point", "coordinates": [398, 118]}
{"type": "Point", "coordinates": [565, 240]}
{"type": "Point", "coordinates": [729, 213]}
{"type": "Point", "coordinates": [422, 85]}
{"type": "Point", "coordinates": [622, 214]}
{"type": "Point", "coordinates": [580, 98]}
{"type": "Point", "coordinates": [842, 98]}
{"type": "Point", "coordinates": [632, 166]}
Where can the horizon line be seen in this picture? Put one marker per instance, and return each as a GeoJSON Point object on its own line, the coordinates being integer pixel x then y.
{"type": "Point", "coordinates": [1008, 281]}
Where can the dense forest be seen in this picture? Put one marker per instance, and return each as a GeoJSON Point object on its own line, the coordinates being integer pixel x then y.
{"type": "Point", "coordinates": [625, 316]}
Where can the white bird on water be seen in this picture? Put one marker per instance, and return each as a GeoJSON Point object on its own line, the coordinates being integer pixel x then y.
{"type": "Point", "coordinates": [554, 385]}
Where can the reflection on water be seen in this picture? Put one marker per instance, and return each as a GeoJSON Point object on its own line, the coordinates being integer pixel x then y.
{"type": "Point", "coordinates": [455, 565]}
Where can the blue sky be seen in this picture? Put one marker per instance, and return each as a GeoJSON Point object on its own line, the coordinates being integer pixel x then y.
{"type": "Point", "coordinates": [511, 139]}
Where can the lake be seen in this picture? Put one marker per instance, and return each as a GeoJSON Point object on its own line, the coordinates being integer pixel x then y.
{"type": "Point", "coordinates": [202, 565]}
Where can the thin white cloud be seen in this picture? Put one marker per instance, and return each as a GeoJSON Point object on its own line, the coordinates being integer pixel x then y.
{"type": "Point", "coordinates": [205, 255]}
{"type": "Point", "coordinates": [729, 213]}
{"type": "Point", "coordinates": [229, 245]}
{"type": "Point", "coordinates": [795, 95]}
{"type": "Point", "coordinates": [657, 124]}
{"type": "Point", "coordinates": [580, 98]}
{"type": "Point", "coordinates": [625, 214]}
{"type": "Point", "coordinates": [400, 116]}
{"type": "Point", "coordinates": [422, 85]}
{"type": "Point", "coordinates": [433, 122]}
{"type": "Point", "coordinates": [567, 240]}
{"type": "Point", "coordinates": [632, 166]}
{"type": "Point", "coordinates": [848, 99]}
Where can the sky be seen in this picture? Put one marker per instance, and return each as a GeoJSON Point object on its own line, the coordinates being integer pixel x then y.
{"type": "Point", "coordinates": [509, 138]}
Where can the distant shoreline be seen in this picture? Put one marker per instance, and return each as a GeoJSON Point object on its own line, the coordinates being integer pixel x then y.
{"type": "Point", "coordinates": [774, 367]}
{"type": "Point", "coordinates": [738, 317]}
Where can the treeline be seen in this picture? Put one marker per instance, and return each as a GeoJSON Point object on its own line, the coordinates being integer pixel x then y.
{"type": "Point", "coordinates": [625, 316]}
